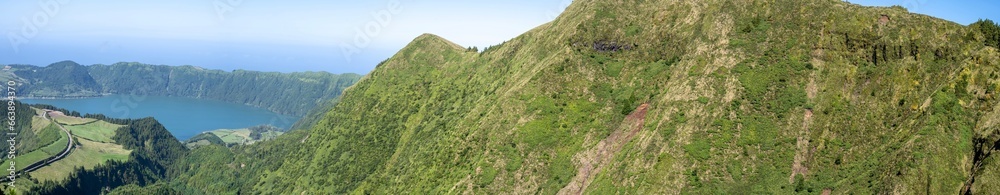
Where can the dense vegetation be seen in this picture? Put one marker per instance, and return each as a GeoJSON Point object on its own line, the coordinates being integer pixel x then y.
{"type": "Point", "coordinates": [650, 97]}
{"type": "Point", "coordinates": [209, 138]}
{"type": "Point", "coordinates": [232, 170]}
{"type": "Point", "coordinates": [755, 97]}
{"type": "Point", "coordinates": [990, 32]}
{"type": "Point", "coordinates": [285, 93]}
{"type": "Point", "coordinates": [65, 78]}
{"type": "Point", "coordinates": [256, 131]}
{"type": "Point", "coordinates": [314, 115]}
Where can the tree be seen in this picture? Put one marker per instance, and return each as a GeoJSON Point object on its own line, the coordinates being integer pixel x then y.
{"type": "Point", "coordinates": [990, 30]}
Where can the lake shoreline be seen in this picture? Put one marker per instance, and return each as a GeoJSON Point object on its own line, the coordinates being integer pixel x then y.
{"type": "Point", "coordinates": [184, 117]}
{"type": "Point", "coordinates": [59, 97]}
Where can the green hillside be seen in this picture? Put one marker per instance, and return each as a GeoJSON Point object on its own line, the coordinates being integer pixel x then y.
{"type": "Point", "coordinates": [232, 170]}
{"type": "Point", "coordinates": [31, 133]}
{"type": "Point", "coordinates": [315, 114]}
{"type": "Point", "coordinates": [142, 152]}
{"type": "Point", "coordinates": [642, 97]}
{"type": "Point", "coordinates": [51, 147]}
{"type": "Point", "coordinates": [65, 78]}
{"type": "Point", "coordinates": [40, 138]}
{"type": "Point", "coordinates": [666, 97]}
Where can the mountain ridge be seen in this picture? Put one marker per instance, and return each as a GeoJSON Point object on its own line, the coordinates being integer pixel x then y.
{"type": "Point", "coordinates": [762, 98]}
{"type": "Point", "coordinates": [653, 97]}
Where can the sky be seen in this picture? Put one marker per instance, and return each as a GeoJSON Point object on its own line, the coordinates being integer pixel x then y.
{"type": "Point", "coordinates": [959, 11]}
{"type": "Point", "coordinates": [294, 35]}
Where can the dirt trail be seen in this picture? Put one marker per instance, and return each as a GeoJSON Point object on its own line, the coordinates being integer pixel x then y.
{"type": "Point", "coordinates": [802, 152]}
{"type": "Point", "coordinates": [594, 159]}
{"type": "Point", "coordinates": [801, 148]}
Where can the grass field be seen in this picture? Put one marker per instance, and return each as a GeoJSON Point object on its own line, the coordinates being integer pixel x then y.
{"type": "Point", "coordinates": [34, 156]}
{"type": "Point", "coordinates": [25, 159]}
{"type": "Point", "coordinates": [88, 155]}
{"type": "Point", "coordinates": [232, 135]}
{"type": "Point", "coordinates": [96, 147]}
{"type": "Point", "coordinates": [237, 136]}
{"type": "Point", "coordinates": [57, 146]}
{"type": "Point", "coordinates": [98, 131]}
{"type": "Point", "coordinates": [37, 111]}
{"type": "Point", "coordinates": [38, 123]}
{"type": "Point", "coordinates": [69, 120]}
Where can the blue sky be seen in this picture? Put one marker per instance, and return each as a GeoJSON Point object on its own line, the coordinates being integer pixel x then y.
{"type": "Point", "coordinates": [287, 36]}
{"type": "Point", "coordinates": [960, 11]}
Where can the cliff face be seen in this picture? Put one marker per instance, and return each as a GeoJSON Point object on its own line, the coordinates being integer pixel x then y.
{"type": "Point", "coordinates": [667, 97]}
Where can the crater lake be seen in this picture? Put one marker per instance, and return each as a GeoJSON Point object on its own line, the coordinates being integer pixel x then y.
{"type": "Point", "coordinates": [183, 117]}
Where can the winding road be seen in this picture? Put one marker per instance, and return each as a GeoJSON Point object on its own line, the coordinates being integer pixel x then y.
{"type": "Point", "coordinates": [49, 160]}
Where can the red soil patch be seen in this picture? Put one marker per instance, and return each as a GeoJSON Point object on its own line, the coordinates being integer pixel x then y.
{"type": "Point", "coordinates": [55, 113]}
{"type": "Point", "coordinates": [594, 159]}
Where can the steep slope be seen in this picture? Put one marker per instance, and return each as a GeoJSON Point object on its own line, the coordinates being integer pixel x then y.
{"type": "Point", "coordinates": [315, 114]}
{"type": "Point", "coordinates": [666, 97]}
{"type": "Point", "coordinates": [28, 128]}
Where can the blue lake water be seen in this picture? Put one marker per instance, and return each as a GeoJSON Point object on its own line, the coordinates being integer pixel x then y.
{"type": "Point", "coordinates": [184, 117]}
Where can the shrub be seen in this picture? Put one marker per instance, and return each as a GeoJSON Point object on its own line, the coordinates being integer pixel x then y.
{"type": "Point", "coordinates": [699, 149]}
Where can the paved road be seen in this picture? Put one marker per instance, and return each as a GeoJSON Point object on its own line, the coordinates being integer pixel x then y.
{"type": "Point", "coordinates": [49, 160]}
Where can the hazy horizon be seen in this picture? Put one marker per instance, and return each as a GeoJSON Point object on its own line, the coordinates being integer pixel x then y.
{"type": "Point", "coordinates": [292, 36]}
{"type": "Point", "coordinates": [289, 36]}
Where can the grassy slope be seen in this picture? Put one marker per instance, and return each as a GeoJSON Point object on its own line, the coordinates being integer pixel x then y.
{"type": "Point", "coordinates": [26, 158]}
{"type": "Point", "coordinates": [315, 114]}
{"type": "Point", "coordinates": [737, 96]}
{"type": "Point", "coordinates": [234, 169]}
{"type": "Point", "coordinates": [37, 123]}
{"type": "Point", "coordinates": [69, 120]}
{"type": "Point", "coordinates": [987, 133]}
{"type": "Point", "coordinates": [95, 148]}
{"type": "Point", "coordinates": [232, 136]}
{"type": "Point", "coordinates": [770, 97]}
{"type": "Point", "coordinates": [88, 155]}
{"type": "Point", "coordinates": [54, 147]}
{"type": "Point", "coordinates": [57, 146]}
{"type": "Point", "coordinates": [98, 131]}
